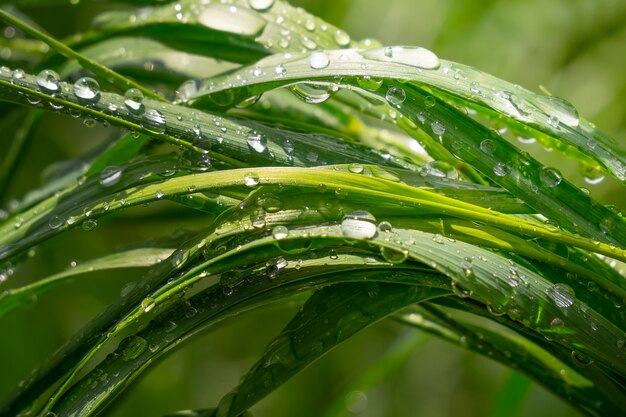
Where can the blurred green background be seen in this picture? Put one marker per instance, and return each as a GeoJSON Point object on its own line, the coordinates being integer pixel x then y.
{"type": "Point", "coordinates": [576, 49]}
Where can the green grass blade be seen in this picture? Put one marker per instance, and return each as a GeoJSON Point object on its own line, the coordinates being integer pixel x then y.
{"type": "Point", "coordinates": [134, 258]}
{"type": "Point", "coordinates": [107, 75]}
{"type": "Point", "coordinates": [352, 307]}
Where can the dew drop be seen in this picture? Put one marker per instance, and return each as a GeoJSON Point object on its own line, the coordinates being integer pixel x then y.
{"type": "Point", "coordinates": [319, 60]}
{"type": "Point", "coordinates": [178, 258]}
{"type": "Point", "coordinates": [257, 141]}
{"type": "Point", "coordinates": [438, 128]}
{"type": "Point", "coordinates": [561, 294]}
{"type": "Point", "coordinates": [368, 83]}
{"type": "Point", "coordinates": [87, 89]}
{"type": "Point", "coordinates": [131, 347]}
{"type": "Point", "coordinates": [488, 146]}
{"type": "Point", "coordinates": [407, 55]}
{"type": "Point", "coordinates": [133, 99]}
{"type": "Point", "coordinates": [280, 232]}
{"type": "Point", "coordinates": [56, 222]}
{"type": "Point", "coordinates": [261, 5]}
{"type": "Point", "coordinates": [501, 169]}
{"type": "Point", "coordinates": [358, 225]}
{"type": "Point", "coordinates": [110, 176]}
{"type": "Point", "coordinates": [341, 38]}
{"type": "Point", "coordinates": [395, 96]}
{"type": "Point", "coordinates": [550, 177]}
{"type": "Point", "coordinates": [89, 225]}
{"type": "Point", "coordinates": [394, 256]}
{"type": "Point", "coordinates": [154, 121]}
{"type": "Point", "coordinates": [147, 304]}
{"type": "Point", "coordinates": [251, 179]}
{"type": "Point", "coordinates": [312, 93]}
{"type": "Point", "coordinates": [49, 81]}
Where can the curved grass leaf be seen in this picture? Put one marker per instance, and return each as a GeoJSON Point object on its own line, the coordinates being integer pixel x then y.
{"type": "Point", "coordinates": [351, 307]}
{"type": "Point", "coordinates": [540, 187]}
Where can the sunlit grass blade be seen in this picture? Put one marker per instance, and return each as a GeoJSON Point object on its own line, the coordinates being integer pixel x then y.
{"type": "Point", "coordinates": [541, 187]}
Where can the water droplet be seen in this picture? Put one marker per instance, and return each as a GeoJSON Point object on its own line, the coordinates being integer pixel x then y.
{"type": "Point", "coordinates": [501, 169]}
{"type": "Point", "coordinates": [581, 359]}
{"type": "Point", "coordinates": [154, 121]}
{"type": "Point", "coordinates": [261, 5]}
{"type": "Point", "coordinates": [257, 141]}
{"type": "Point", "coordinates": [550, 177]}
{"type": "Point", "coordinates": [89, 225]}
{"type": "Point", "coordinates": [178, 258]}
{"type": "Point", "coordinates": [395, 96]}
{"type": "Point", "coordinates": [280, 232]}
{"type": "Point", "coordinates": [313, 93]}
{"type": "Point", "coordinates": [488, 146]}
{"type": "Point", "coordinates": [232, 19]}
{"type": "Point", "coordinates": [358, 225]}
{"type": "Point", "coordinates": [87, 89]}
{"type": "Point", "coordinates": [56, 222]}
{"type": "Point", "coordinates": [553, 121]}
{"type": "Point", "coordinates": [439, 169]}
{"type": "Point", "coordinates": [561, 294]}
{"type": "Point", "coordinates": [319, 60]}
{"type": "Point", "coordinates": [280, 70]}
{"type": "Point", "coordinates": [368, 83]}
{"type": "Point", "coordinates": [394, 256]}
{"type": "Point", "coordinates": [147, 304]}
{"type": "Point", "coordinates": [341, 38]}
{"type": "Point", "coordinates": [49, 81]}
{"type": "Point", "coordinates": [385, 227]}
{"type": "Point", "coordinates": [133, 99]}
{"type": "Point", "coordinates": [131, 347]}
{"type": "Point", "coordinates": [110, 176]}
{"type": "Point", "coordinates": [251, 179]}
{"type": "Point", "coordinates": [159, 194]}
{"type": "Point", "coordinates": [355, 168]}
{"type": "Point", "coordinates": [438, 128]}
{"type": "Point", "coordinates": [407, 55]}
{"type": "Point", "coordinates": [460, 291]}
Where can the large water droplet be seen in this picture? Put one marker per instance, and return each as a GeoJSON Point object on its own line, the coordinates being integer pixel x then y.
{"type": "Point", "coordinates": [131, 347]}
{"type": "Point", "coordinates": [257, 141]}
{"type": "Point", "coordinates": [561, 294]}
{"type": "Point", "coordinates": [319, 60]}
{"type": "Point", "coordinates": [49, 81]}
{"type": "Point", "coordinates": [438, 128]}
{"type": "Point", "coordinates": [110, 176]}
{"type": "Point", "coordinates": [408, 55]}
{"type": "Point", "coordinates": [56, 222]}
{"type": "Point", "coordinates": [368, 83]}
{"type": "Point", "coordinates": [231, 19]}
{"type": "Point", "coordinates": [87, 89]}
{"type": "Point", "coordinates": [261, 5]}
{"type": "Point", "coordinates": [280, 232]}
{"type": "Point", "coordinates": [251, 179]}
{"type": "Point", "coordinates": [154, 121]}
{"type": "Point", "coordinates": [358, 225]}
{"type": "Point", "coordinates": [313, 93]}
{"type": "Point", "coordinates": [550, 177]}
{"type": "Point", "coordinates": [133, 99]}
{"type": "Point", "coordinates": [394, 256]}
{"type": "Point", "coordinates": [501, 169]}
{"type": "Point", "coordinates": [147, 304]}
{"type": "Point", "coordinates": [559, 110]}
{"type": "Point", "coordinates": [488, 146]}
{"type": "Point", "coordinates": [341, 38]}
{"type": "Point", "coordinates": [395, 96]}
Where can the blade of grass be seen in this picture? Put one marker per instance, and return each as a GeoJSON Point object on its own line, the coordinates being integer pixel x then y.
{"type": "Point", "coordinates": [107, 75]}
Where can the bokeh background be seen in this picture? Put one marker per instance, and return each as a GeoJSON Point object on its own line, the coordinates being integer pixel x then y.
{"type": "Point", "coordinates": [576, 49]}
